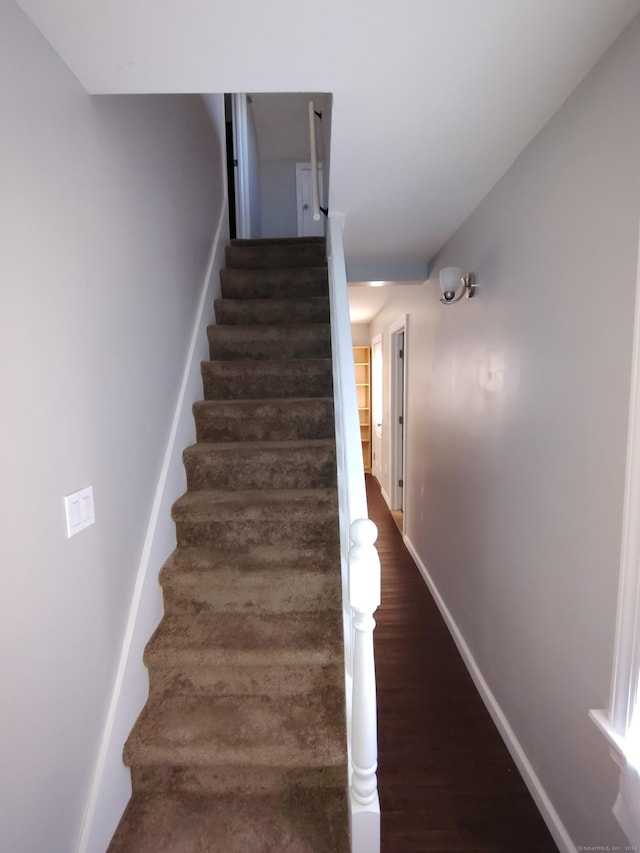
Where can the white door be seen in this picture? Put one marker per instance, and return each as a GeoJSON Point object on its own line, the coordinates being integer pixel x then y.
{"type": "Point", "coordinates": [307, 225]}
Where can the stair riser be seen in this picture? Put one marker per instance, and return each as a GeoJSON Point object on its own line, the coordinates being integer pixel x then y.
{"type": "Point", "coordinates": [237, 312]}
{"type": "Point", "coordinates": [235, 381]}
{"type": "Point", "coordinates": [262, 469]}
{"type": "Point", "coordinates": [238, 534]}
{"type": "Point", "coordinates": [274, 257]}
{"type": "Point", "coordinates": [233, 780]}
{"type": "Point", "coordinates": [264, 421]}
{"type": "Point", "coordinates": [304, 593]}
{"type": "Point", "coordinates": [273, 284]}
{"type": "Point", "coordinates": [269, 342]}
{"type": "Point", "coordinates": [234, 680]}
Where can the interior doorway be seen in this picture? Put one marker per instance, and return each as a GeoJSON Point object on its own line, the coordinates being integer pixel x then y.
{"type": "Point", "coordinates": [397, 417]}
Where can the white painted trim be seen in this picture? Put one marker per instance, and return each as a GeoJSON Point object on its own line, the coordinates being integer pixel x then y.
{"type": "Point", "coordinates": [241, 156]}
{"type": "Point", "coordinates": [616, 743]}
{"type": "Point", "coordinates": [182, 410]}
{"type": "Point", "coordinates": [626, 663]}
{"type": "Point", "coordinates": [315, 174]}
{"type": "Point", "coordinates": [386, 497]}
{"type": "Point", "coordinates": [531, 780]}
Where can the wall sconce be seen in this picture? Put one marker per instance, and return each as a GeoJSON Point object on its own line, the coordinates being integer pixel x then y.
{"type": "Point", "coordinates": [450, 280]}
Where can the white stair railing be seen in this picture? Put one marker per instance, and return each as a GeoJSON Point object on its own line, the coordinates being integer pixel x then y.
{"type": "Point", "coordinates": [360, 564]}
{"type": "Point", "coordinates": [313, 149]}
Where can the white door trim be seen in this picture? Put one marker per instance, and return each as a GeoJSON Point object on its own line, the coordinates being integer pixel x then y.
{"type": "Point", "coordinates": [241, 157]}
{"type": "Point", "coordinates": [377, 425]}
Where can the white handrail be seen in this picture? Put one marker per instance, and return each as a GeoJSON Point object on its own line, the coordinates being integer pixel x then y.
{"type": "Point", "coordinates": [359, 561]}
{"type": "Point", "coordinates": [315, 186]}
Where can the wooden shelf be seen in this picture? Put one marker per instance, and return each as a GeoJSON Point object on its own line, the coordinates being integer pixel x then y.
{"type": "Point", "coordinates": [362, 366]}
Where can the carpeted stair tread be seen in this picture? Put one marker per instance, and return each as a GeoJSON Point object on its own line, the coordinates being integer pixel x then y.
{"type": "Point", "coordinates": [265, 578]}
{"type": "Point", "coordinates": [259, 731]}
{"type": "Point", "coordinates": [302, 821]}
{"type": "Point", "coordinates": [307, 464]}
{"type": "Point", "coordinates": [258, 559]}
{"type": "Point", "coordinates": [196, 780]}
{"type": "Point", "coordinates": [295, 282]}
{"type": "Point", "coordinates": [264, 419]}
{"type": "Point", "coordinates": [250, 342]}
{"type": "Point", "coordinates": [275, 255]}
{"type": "Point", "coordinates": [261, 638]}
{"type": "Point", "coordinates": [310, 309]}
{"type": "Point", "coordinates": [248, 517]}
{"type": "Point", "coordinates": [252, 504]}
{"type": "Point", "coordinates": [233, 380]}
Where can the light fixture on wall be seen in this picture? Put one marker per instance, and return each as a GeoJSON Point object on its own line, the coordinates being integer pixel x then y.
{"type": "Point", "coordinates": [454, 285]}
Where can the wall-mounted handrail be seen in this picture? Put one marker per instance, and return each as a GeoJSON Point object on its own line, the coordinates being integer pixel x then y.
{"type": "Point", "coordinates": [359, 561]}
{"type": "Point", "coordinates": [313, 144]}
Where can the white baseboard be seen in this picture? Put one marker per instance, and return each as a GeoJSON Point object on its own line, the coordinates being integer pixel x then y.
{"type": "Point", "coordinates": [386, 497]}
{"type": "Point", "coordinates": [539, 795]}
{"type": "Point", "coordinates": [111, 785]}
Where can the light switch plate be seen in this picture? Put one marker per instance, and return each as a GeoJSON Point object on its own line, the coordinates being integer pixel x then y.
{"type": "Point", "coordinates": [79, 510]}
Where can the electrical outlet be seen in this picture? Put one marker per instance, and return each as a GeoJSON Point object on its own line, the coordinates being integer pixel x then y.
{"type": "Point", "coordinates": [79, 510]}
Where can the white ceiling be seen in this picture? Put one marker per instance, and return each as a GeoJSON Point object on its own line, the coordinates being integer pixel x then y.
{"type": "Point", "coordinates": [432, 99]}
{"type": "Point", "coordinates": [366, 299]}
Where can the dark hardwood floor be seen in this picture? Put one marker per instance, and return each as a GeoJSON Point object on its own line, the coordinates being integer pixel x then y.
{"type": "Point", "coordinates": [446, 779]}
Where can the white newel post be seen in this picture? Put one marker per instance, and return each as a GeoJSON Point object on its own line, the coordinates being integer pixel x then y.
{"type": "Point", "coordinates": [364, 595]}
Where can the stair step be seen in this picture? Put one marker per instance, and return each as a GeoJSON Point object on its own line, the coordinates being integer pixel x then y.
{"type": "Point", "coordinates": [258, 679]}
{"type": "Point", "coordinates": [276, 256]}
{"type": "Point", "coordinates": [235, 781]}
{"type": "Point", "coordinates": [246, 518]}
{"type": "Point", "coordinates": [294, 282]}
{"type": "Point", "coordinates": [255, 731]}
{"type": "Point", "coordinates": [266, 579]}
{"type": "Point", "coordinates": [264, 420]}
{"type": "Point", "coordinates": [232, 380]}
{"type": "Point", "coordinates": [281, 654]}
{"type": "Point", "coordinates": [301, 821]}
{"type": "Point", "coordinates": [231, 639]}
{"type": "Point", "coordinates": [311, 340]}
{"type": "Point", "coordinates": [308, 464]}
{"type": "Point", "coordinates": [279, 241]}
{"type": "Point", "coordinates": [236, 312]}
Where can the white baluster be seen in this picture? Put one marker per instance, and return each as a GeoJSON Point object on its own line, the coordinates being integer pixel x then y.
{"type": "Point", "coordinates": [364, 594]}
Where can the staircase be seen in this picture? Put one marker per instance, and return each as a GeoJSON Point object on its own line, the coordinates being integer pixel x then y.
{"type": "Point", "coordinates": [241, 745]}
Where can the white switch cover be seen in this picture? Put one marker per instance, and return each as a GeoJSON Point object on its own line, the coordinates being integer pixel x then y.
{"type": "Point", "coordinates": [79, 510]}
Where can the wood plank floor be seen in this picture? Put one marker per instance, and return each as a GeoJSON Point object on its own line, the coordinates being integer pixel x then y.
{"type": "Point", "coordinates": [446, 780]}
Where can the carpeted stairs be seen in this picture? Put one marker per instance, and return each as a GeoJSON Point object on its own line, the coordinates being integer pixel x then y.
{"type": "Point", "coordinates": [241, 745]}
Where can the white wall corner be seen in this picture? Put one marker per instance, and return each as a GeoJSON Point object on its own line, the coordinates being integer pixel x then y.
{"type": "Point", "coordinates": [110, 788]}
{"type": "Point", "coordinates": [531, 780]}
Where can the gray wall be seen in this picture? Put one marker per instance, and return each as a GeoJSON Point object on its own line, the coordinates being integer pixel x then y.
{"type": "Point", "coordinates": [107, 213]}
{"type": "Point", "coordinates": [518, 404]}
